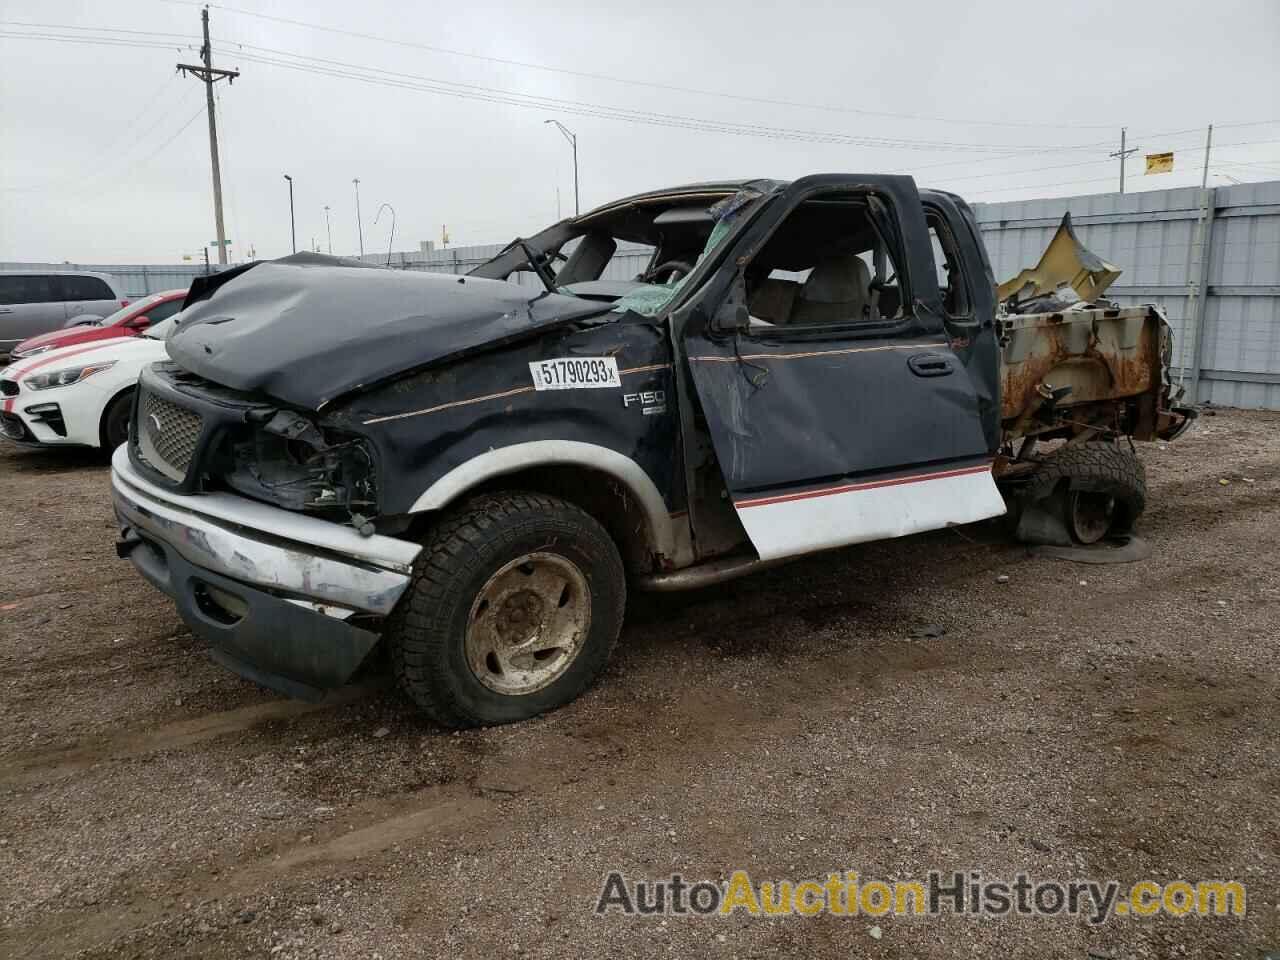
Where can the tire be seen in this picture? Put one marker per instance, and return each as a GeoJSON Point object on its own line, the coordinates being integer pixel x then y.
{"type": "Point", "coordinates": [1100, 488]}
{"type": "Point", "coordinates": [484, 590]}
{"type": "Point", "coordinates": [115, 422]}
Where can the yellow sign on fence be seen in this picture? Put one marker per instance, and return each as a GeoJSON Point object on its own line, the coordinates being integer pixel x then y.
{"type": "Point", "coordinates": [1159, 163]}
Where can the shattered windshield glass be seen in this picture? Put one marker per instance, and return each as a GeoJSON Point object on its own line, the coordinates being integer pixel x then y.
{"type": "Point", "coordinates": [649, 299]}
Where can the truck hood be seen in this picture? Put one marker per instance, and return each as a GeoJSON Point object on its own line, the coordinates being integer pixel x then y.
{"type": "Point", "coordinates": [309, 328]}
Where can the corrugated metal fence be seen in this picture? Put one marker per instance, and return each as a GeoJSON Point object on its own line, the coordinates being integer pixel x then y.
{"type": "Point", "coordinates": [1156, 237]}
{"type": "Point", "coordinates": [138, 279]}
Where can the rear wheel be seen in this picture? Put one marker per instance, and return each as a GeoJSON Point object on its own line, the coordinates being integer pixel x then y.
{"type": "Point", "coordinates": [1090, 516]}
{"type": "Point", "coordinates": [115, 422]}
{"type": "Point", "coordinates": [516, 603]}
{"type": "Point", "coordinates": [1086, 492]}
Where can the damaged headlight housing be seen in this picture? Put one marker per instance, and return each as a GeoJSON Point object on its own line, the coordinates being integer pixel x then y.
{"type": "Point", "coordinates": [66, 376]}
{"type": "Point", "coordinates": [289, 461]}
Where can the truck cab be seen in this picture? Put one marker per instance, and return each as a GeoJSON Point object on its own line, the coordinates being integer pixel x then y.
{"type": "Point", "coordinates": [474, 470]}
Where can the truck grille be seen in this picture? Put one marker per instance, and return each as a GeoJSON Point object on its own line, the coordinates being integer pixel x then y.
{"type": "Point", "coordinates": [167, 435]}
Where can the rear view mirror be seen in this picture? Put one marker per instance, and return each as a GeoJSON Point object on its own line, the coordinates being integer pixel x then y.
{"type": "Point", "coordinates": [139, 322]}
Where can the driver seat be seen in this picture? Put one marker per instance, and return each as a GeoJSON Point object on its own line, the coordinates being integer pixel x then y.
{"type": "Point", "coordinates": [838, 289]}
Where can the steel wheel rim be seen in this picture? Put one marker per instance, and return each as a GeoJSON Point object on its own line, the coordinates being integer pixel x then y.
{"type": "Point", "coordinates": [528, 623]}
{"type": "Point", "coordinates": [1092, 515]}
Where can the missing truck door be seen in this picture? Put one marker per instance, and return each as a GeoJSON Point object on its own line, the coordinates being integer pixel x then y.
{"type": "Point", "coordinates": [838, 411]}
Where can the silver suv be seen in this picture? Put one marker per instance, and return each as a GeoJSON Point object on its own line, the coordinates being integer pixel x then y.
{"type": "Point", "coordinates": [33, 302]}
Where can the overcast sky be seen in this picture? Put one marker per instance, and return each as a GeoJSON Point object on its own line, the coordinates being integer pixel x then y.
{"type": "Point", "coordinates": [104, 154]}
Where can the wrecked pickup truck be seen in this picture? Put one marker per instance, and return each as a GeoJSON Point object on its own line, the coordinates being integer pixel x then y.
{"type": "Point", "coordinates": [474, 468]}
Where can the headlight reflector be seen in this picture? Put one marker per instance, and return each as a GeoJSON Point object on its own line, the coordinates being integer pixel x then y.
{"type": "Point", "coordinates": [66, 376]}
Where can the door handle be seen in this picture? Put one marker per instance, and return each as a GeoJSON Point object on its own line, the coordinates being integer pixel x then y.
{"type": "Point", "coordinates": [931, 364]}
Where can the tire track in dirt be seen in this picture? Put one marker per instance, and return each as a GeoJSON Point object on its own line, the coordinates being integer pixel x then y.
{"type": "Point", "coordinates": [100, 658]}
{"type": "Point", "coordinates": [563, 769]}
{"type": "Point", "coordinates": [799, 694]}
{"type": "Point", "coordinates": [26, 769]}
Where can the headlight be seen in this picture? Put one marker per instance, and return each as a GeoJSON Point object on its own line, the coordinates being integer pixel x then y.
{"type": "Point", "coordinates": [66, 376]}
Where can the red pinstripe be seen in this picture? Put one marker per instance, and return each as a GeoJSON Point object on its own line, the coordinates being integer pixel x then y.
{"type": "Point", "coordinates": [17, 376]}
{"type": "Point", "coordinates": [871, 485]}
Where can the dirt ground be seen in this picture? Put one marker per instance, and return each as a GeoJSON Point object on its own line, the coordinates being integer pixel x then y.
{"type": "Point", "coordinates": [1116, 721]}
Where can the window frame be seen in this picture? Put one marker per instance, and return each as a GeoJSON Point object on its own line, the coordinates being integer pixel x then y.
{"type": "Point", "coordinates": [884, 327]}
{"type": "Point", "coordinates": [174, 305]}
{"type": "Point", "coordinates": [935, 219]}
{"type": "Point", "coordinates": [28, 277]}
{"type": "Point", "coordinates": [62, 284]}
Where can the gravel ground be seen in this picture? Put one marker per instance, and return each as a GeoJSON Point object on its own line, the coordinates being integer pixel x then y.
{"type": "Point", "coordinates": [1076, 721]}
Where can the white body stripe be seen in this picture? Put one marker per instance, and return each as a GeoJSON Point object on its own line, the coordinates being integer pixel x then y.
{"type": "Point", "coordinates": [785, 526]}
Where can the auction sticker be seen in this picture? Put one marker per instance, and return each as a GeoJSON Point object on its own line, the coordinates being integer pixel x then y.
{"type": "Point", "coordinates": [575, 373]}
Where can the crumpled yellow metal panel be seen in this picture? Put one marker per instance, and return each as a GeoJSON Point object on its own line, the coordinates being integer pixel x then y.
{"type": "Point", "coordinates": [1064, 261]}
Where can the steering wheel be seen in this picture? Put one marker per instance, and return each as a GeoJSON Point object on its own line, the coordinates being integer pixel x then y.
{"type": "Point", "coordinates": [673, 269]}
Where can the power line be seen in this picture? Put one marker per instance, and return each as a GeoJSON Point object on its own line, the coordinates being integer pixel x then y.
{"type": "Point", "coordinates": [92, 41]}
{"type": "Point", "coordinates": [394, 79]}
{"type": "Point", "coordinates": [325, 67]}
{"type": "Point", "coordinates": [1085, 163]}
{"type": "Point", "coordinates": [72, 26]}
{"type": "Point", "coordinates": [170, 83]}
{"type": "Point", "coordinates": [342, 70]}
{"type": "Point", "coordinates": [673, 88]}
{"type": "Point", "coordinates": [137, 164]}
{"type": "Point", "coordinates": [1068, 183]}
{"type": "Point", "coordinates": [105, 164]}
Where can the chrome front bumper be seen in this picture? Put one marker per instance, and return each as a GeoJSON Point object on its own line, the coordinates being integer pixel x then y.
{"type": "Point", "coordinates": [285, 553]}
{"type": "Point", "coordinates": [271, 591]}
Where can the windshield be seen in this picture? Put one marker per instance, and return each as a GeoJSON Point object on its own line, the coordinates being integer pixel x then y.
{"type": "Point", "coordinates": [648, 299]}
{"type": "Point", "coordinates": [643, 245]}
{"type": "Point", "coordinates": [161, 330]}
{"type": "Point", "coordinates": [130, 309]}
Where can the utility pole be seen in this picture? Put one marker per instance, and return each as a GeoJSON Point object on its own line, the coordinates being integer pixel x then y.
{"type": "Point", "coordinates": [327, 230]}
{"type": "Point", "coordinates": [1208, 145]}
{"type": "Point", "coordinates": [1122, 153]}
{"type": "Point", "coordinates": [210, 75]}
{"type": "Point", "coordinates": [359, 225]}
{"type": "Point", "coordinates": [293, 228]}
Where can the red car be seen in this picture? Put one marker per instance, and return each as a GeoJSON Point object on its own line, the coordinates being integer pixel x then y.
{"type": "Point", "coordinates": [130, 321]}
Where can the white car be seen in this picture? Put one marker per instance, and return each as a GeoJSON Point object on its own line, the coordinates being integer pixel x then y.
{"type": "Point", "coordinates": [78, 396]}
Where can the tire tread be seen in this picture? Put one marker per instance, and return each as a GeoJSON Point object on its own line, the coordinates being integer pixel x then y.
{"type": "Point", "coordinates": [418, 630]}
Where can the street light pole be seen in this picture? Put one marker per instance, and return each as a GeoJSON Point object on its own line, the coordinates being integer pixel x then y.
{"type": "Point", "coordinates": [391, 239]}
{"type": "Point", "coordinates": [359, 225]}
{"type": "Point", "coordinates": [327, 230]}
{"type": "Point", "coordinates": [573, 142]}
{"type": "Point", "coordinates": [293, 229]}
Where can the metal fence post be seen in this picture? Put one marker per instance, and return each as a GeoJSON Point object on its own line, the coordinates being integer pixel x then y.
{"type": "Point", "coordinates": [1198, 292]}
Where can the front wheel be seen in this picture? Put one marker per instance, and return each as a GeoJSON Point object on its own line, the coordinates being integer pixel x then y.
{"type": "Point", "coordinates": [115, 422]}
{"type": "Point", "coordinates": [515, 605]}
